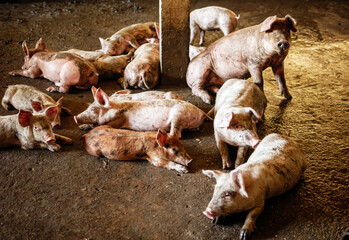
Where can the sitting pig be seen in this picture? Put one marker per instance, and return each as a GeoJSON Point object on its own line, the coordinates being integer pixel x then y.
{"type": "Point", "coordinates": [64, 69]}
{"type": "Point", "coordinates": [28, 98]}
{"type": "Point", "coordinates": [30, 131]}
{"type": "Point", "coordinates": [126, 95]}
{"type": "Point", "coordinates": [144, 70]}
{"type": "Point", "coordinates": [239, 105]}
{"type": "Point", "coordinates": [127, 38]}
{"type": "Point", "coordinates": [158, 148]}
{"type": "Point", "coordinates": [171, 115]}
{"type": "Point", "coordinates": [211, 18]}
{"type": "Point", "coordinates": [242, 54]}
{"type": "Point", "coordinates": [274, 167]}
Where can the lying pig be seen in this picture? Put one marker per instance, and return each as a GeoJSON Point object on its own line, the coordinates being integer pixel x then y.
{"type": "Point", "coordinates": [127, 38]}
{"type": "Point", "coordinates": [274, 167]}
{"type": "Point", "coordinates": [108, 67]}
{"type": "Point", "coordinates": [171, 115]}
{"type": "Point", "coordinates": [28, 98]}
{"type": "Point", "coordinates": [242, 54]}
{"type": "Point", "coordinates": [30, 131]}
{"type": "Point", "coordinates": [194, 51]}
{"type": "Point", "coordinates": [158, 148]}
{"type": "Point", "coordinates": [144, 70]}
{"type": "Point", "coordinates": [64, 69]}
{"type": "Point", "coordinates": [126, 95]}
{"type": "Point", "coordinates": [239, 105]}
{"type": "Point", "coordinates": [211, 18]}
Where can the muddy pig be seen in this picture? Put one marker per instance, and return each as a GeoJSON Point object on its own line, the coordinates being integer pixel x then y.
{"type": "Point", "coordinates": [64, 69]}
{"type": "Point", "coordinates": [159, 148]}
{"type": "Point", "coordinates": [239, 105]}
{"type": "Point", "coordinates": [127, 38]}
{"type": "Point", "coordinates": [242, 54]}
{"type": "Point", "coordinates": [108, 67]}
{"type": "Point", "coordinates": [30, 131]}
{"type": "Point", "coordinates": [28, 98]}
{"type": "Point", "coordinates": [209, 19]}
{"type": "Point", "coordinates": [274, 167]}
{"type": "Point", "coordinates": [144, 70]}
{"type": "Point", "coordinates": [126, 95]}
{"type": "Point", "coordinates": [194, 51]}
{"type": "Point", "coordinates": [171, 115]}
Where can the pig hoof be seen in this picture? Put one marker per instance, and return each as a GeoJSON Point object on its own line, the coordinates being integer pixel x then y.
{"type": "Point", "coordinates": [218, 220]}
{"type": "Point", "coordinates": [244, 234]}
{"type": "Point", "coordinates": [207, 99]}
{"type": "Point", "coordinates": [54, 147]}
{"type": "Point", "coordinates": [51, 89]}
{"type": "Point", "coordinates": [182, 169]}
{"type": "Point", "coordinates": [12, 73]}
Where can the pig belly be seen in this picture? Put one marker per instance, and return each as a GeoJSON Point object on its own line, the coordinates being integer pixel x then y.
{"type": "Point", "coordinates": [225, 66]}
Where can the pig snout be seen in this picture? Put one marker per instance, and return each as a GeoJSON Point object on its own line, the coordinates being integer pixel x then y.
{"type": "Point", "coordinates": [283, 45]}
{"type": "Point", "coordinates": [76, 119]}
{"type": "Point", "coordinates": [50, 140]}
{"type": "Point", "coordinates": [208, 213]}
{"type": "Point", "coordinates": [254, 142]}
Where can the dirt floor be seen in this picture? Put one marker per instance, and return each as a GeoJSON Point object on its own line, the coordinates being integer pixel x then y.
{"type": "Point", "coordinates": [72, 195]}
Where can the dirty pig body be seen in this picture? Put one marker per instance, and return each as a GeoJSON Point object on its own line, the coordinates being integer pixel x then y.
{"type": "Point", "coordinates": [170, 115]}
{"type": "Point", "coordinates": [30, 131]}
{"type": "Point", "coordinates": [240, 104]}
{"type": "Point", "coordinates": [28, 98]}
{"type": "Point", "coordinates": [159, 148]}
{"type": "Point", "coordinates": [64, 69]}
{"type": "Point", "coordinates": [211, 18]}
{"type": "Point", "coordinates": [108, 67]}
{"type": "Point", "coordinates": [274, 167]}
{"type": "Point", "coordinates": [242, 54]}
{"type": "Point", "coordinates": [144, 70]}
{"type": "Point", "coordinates": [126, 95]}
{"type": "Point", "coordinates": [127, 38]}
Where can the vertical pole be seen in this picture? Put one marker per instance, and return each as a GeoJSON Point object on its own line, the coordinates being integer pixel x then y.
{"type": "Point", "coordinates": [174, 40]}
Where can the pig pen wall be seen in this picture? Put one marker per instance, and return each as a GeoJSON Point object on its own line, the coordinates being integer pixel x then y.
{"type": "Point", "coordinates": [72, 195]}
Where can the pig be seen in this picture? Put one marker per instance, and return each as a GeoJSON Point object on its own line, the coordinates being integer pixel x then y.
{"type": "Point", "coordinates": [144, 70]}
{"type": "Point", "coordinates": [241, 54]}
{"type": "Point", "coordinates": [159, 148]}
{"type": "Point", "coordinates": [64, 69]}
{"type": "Point", "coordinates": [168, 114]}
{"type": "Point", "coordinates": [240, 104]}
{"type": "Point", "coordinates": [211, 18]}
{"type": "Point", "coordinates": [30, 131]}
{"type": "Point", "coordinates": [28, 98]}
{"type": "Point", "coordinates": [194, 51]}
{"type": "Point", "coordinates": [108, 67]}
{"type": "Point", "coordinates": [127, 38]}
{"type": "Point", "coordinates": [126, 95]}
{"type": "Point", "coordinates": [274, 167]}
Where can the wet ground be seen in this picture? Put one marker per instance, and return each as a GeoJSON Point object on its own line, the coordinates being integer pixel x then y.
{"type": "Point", "coordinates": [72, 195]}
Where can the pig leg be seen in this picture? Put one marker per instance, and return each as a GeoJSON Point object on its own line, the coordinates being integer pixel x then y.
{"type": "Point", "coordinates": [257, 76]}
{"type": "Point", "coordinates": [240, 157]}
{"type": "Point", "coordinates": [63, 139]}
{"type": "Point", "coordinates": [280, 78]}
{"type": "Point", "coordinates": [224, 151]}
{"type": "Point", "coordinates": [32, 72]}
{"type": "Point", "coordinates": [194, 30]}
{"type": "Point", "coordinates": [52, 147]}
{"type": "Point", "coordinates": [86, 126]}
{"type": "Point", "coordinates": [176, 128]}
{"type": "Point", "coordinates": [66, 111]}
{"type": "Point", "coordinates": [158, 162]}
{"type": "Point", "coordinates": [202, 35]}
{"type": "Point", "coordinates": [250, 222]}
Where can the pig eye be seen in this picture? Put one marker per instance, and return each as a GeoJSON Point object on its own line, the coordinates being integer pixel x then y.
{"type": "Point", "coordinates": [228, 195]}
{"type": "Point", "coordinates": [166, 145]}
{"type": "Point", "coordinates": [36, 128]}
{"type": "Point", "coordinates": [175, 151]}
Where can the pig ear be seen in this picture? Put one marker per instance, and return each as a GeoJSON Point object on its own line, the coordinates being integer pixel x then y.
{"type": "Point", "coordinates": [133, 43]}
{"type": "Point", "coordinates": [157, 29]}
{"type": "Point", "coordinates": [124, 92]}
{"type": "Point", "coordinates": [104, 42]}
{"type": "Point", "coordinates": [102, 98]}
{"type": "Point", "coordinates": [25, 48]}
{"type": "Point", "coordinates": [267, 24]}
{"type": "Point", "coordinates": [94, 90]}
{"type": "Point", "coordinates": [36, 105]}
{"type": "Point", "coordinates": [291, 23]}
{"type": "Point", "coordinates": [254, 113]}
{"type": "Point", "coordinates": [51, 113]}
{"type": "Point", "coordinates": [59, 102]}
{"type": "Point", "coordinates": [226, 120]}
{"type": "Point", "coordinates": [212, 173]}
{"type": "Point", "coordinates": [24, 118]}
{"type": "Point", "coordinates": [161, 137]}
{"type": "Point", "coordinates": [40, 45]}
{"type": "Point", "coordinates": [239, 181]}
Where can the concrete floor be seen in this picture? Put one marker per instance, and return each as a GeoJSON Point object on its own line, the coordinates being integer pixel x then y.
{"type": "Point", "coordinates": [72, 195]}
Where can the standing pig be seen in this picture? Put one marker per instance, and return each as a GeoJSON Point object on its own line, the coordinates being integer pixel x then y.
{"type": "Point", "coordinates": [158, 148]}
{"type": "Point", "coordinates": [209, 19]}
{"type": "Point", "coordinates": [64, 69]}
{"type": "Point", "coordinates": [171, 115]}
{"type": "Point", "coordinates": [274, 167]}
{"type": "Point", "coordinates": [144, 70]}
{"type": "Point", "coordinates": [30, 131]}
{"type": "Point", "coordinates": [242, 54]}
{"type": "Point", "coordinates": [126, 95]}
{"type": "Point", "coordinates": [28, 98]}
{"type": "Point", "coordinates": [239, 105]}
{"type": "Point", "coordinates": [127, 38]}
